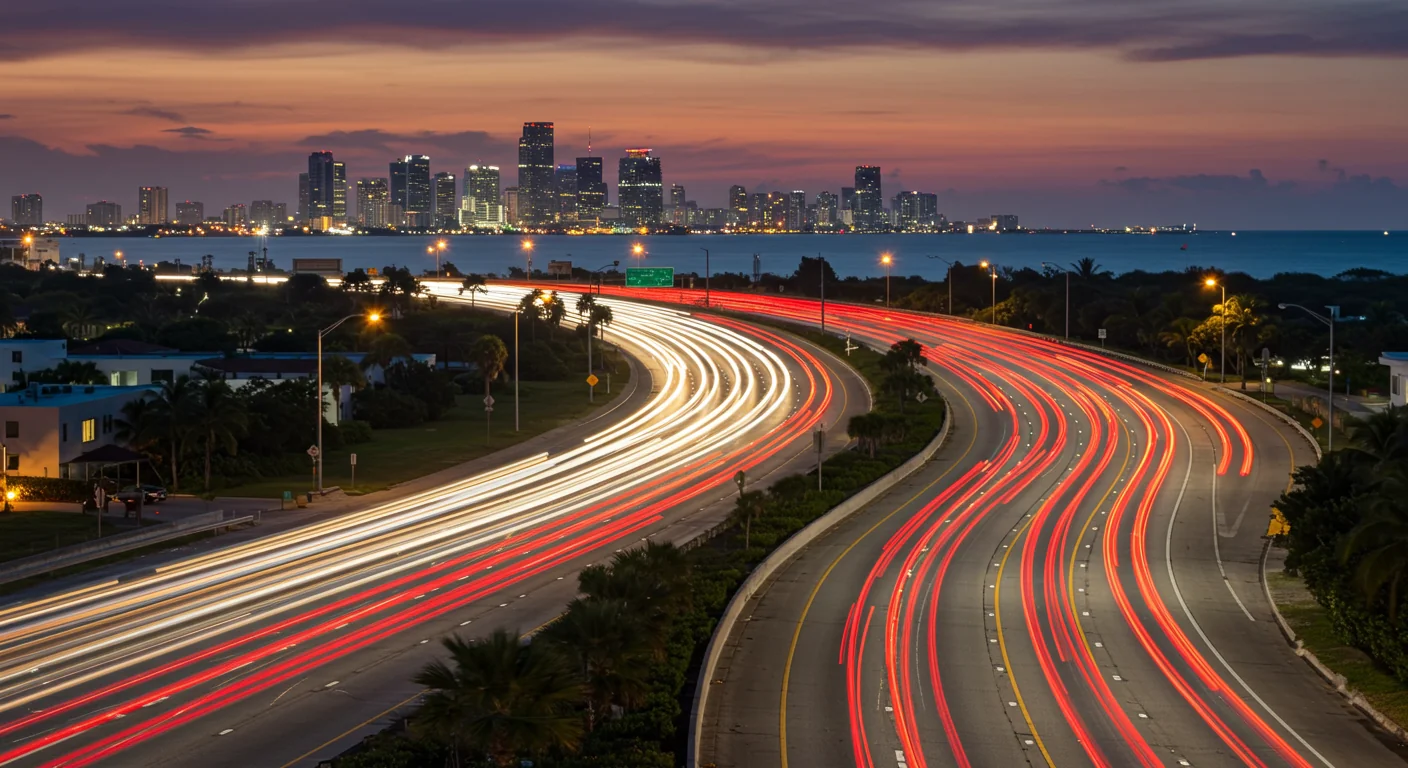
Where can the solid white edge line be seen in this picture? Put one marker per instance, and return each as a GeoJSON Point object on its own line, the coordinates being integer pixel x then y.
{"type": "Point", "coordinates": [1216, 544]}
{"type": "Point", "coordinates": [1168, 562]}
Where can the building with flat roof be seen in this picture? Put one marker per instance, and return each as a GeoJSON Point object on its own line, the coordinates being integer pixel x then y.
{"type": "Point", "coordinates": [124, 363]}
{"type": "Point", "coordinates": [1397, 363]}
{"type": "Point", "coordinates": [46, 426]}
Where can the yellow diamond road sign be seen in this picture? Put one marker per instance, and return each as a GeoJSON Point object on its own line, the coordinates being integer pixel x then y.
{"type": "Point", "coordinates": [592, 380]}
{"type": "Point", "coordinates": [1316, 422]}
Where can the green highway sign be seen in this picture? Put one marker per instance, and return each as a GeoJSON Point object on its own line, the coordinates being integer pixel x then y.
{"type": "Point", "coordinates": [650, 277]}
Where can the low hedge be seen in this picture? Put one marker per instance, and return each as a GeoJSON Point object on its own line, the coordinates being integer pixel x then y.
{"type": "Point", "coordinates": [49, 489]}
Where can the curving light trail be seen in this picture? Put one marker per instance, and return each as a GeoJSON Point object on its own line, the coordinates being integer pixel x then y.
{"type": "Point", "coordinates": [95, 670]}
{"type": "Point", "coordinates": [1088, 450]}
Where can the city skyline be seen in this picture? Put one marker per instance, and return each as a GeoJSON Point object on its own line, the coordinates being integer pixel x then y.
{"type": "Point", "coordinates": [1250, 116]}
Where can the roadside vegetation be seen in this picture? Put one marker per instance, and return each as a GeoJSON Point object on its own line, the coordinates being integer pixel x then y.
{"type": "Point", "coordinates": [612, 680]}
{"type": "Point", "coordinates": [1348, 543]}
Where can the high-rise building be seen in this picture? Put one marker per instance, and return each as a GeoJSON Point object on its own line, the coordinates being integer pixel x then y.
{"type": "Point", "coordinates": [301, 215]}
{"type": "Point", "coordinates": [399, 170]}
{"type": "Point", "coordinates": [826, 209]}
{"type": "Point", "coordinates": [373, 203]}
{"type": "Point", "coordinates": [27, 210]}
{"type": "Point", "coordinates": [103, 214]}
{"type": "Point", "coordinates": [565, 182]}
{"type": "Point", "coordinates": [738, 203]}
{"type": "Point", "coordinates": [757, 209]}
{"type": "Point", "coordinates": [537, 193]}
{"type": "Point", "coordinates": [797, 211]}
{"type": "Point", "coordinates": [776, 211]}
{"type": "Point", "coordinates": [869, 208]}
{"type": "Point", "coordinates": [639, 189]}
{"type": "Point", "coordinates": [339, 194]}
{"type": "Point", "coordinates": [418, 196]}
{"type": "Point", "coordinates": [1005, 222]}
{"type": "Point", "coordinates": [268, 214]}
{"type": "Point", "coordinates": [513, 204]}
{"type": "Point", "coordinates": [237, 215]}
{"type": "Point", "coordinates": [591, 189]}
{"type": "Point", "coordinates": [445, 215]}
{"type": "Point", "coordinates": [151, 206]}
{"type": "Point", "coordinates": [322, 186]}
{"type": "Point", "coordinates": [189, 214]}
{"type": "Point", "coordinates": [480, 205]}
{"type": "Point", "coordinates": [916, 211]}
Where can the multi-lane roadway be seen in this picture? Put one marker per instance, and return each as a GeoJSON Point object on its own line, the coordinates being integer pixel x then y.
{"type": "Point", "coordinates": [1073, 581]}
{"type": "Point", "coordinates": [281, 649]}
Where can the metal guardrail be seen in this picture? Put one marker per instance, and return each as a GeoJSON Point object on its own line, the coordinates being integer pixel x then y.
{"type": "Point", "coordinates": [77, 554]}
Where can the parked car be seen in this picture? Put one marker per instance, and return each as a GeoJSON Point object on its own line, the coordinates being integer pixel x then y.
{"type": "Point", "coordinates": [153, 493]}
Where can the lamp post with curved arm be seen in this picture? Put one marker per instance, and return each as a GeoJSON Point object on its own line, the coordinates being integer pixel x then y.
{"type": "Point", "coordinates": [1068, 295]}
{"type": "Point", "coordinates": [598, 274]}
{"type": "Point", "coordinates": [372, 317]}
{"type": "Point", "coordinates": [948, 278]}
{"type": "Point", "coordinates": [1212, 282]}
{"type": "Point", "coordinates": [887, 260]}
{"type": "Point", "coordinates": [992, 272]}
{"type": "Point", "coordinates": [1330, 321]}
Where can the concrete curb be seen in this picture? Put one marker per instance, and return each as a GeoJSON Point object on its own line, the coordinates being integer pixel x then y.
{"type": "Point", "coordinates": [780, 556]}
{"type": "Point", "coordinates": [1309, 438]}
{"type": "Point", "coordinates": [1336, 680]}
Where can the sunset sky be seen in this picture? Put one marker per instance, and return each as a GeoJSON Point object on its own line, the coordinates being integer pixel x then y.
{"type": "Point", "coordinates": [1258, 113]}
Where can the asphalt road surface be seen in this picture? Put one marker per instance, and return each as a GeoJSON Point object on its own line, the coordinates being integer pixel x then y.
{"type": "Point", "coordinates": [1074, 580]}
{"type": "Point", "coordinates": [283, 649]}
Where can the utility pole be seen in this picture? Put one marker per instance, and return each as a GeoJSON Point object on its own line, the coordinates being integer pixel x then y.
{"type": "Point", "coordinates": [822, 259]}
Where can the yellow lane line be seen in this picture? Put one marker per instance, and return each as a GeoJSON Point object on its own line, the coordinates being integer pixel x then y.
{"type": "Point", "coordinates": [1002, 642]}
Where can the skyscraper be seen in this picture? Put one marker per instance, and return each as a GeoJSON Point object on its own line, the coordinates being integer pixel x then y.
{"type": "Point", "coordinates": [738, 203]}
{"type": "Point", "coordinates": [445, 199]}
{"type": "Point", "coordinates": [513, 204]}
{"type": "Point", "coordinates": [151, 206]}
{"type": "Point", "coordinates": [826, 209]}
{"type": "Point", "coordinates": [397, 209]}
{"type": "Point", "coordinates": [267, 213]}
{"type": "Point", "coordinates": [301, 215]}
{"type": "Point", "coordinates": [565, 183]}
{"type": "Point", "coordinates": [776, 215]}
{"type": "Point", "coordinates": [757, 209]}
{"type": "Point", "coordinates": [322, 181]}
{"type": "Point", "coordinates": [639, 189]}
{"type": "Point", "coordinates": [418, 196]}
{"type": "Point", "coordinates": [27, 210]}
{"type": "Point", "coordinates": [237, 215]}
{"type": "Point", "coordinates": [916, 211]}
{"type": "Point", "coordinates": [339, 194]}
{"type": "Point", "coordinates": [869, 210]}
{"type": "Point", "coordinates": [591, 189]}
{"type": "Point", "coordinates": [480, 206]}
{"type": "Point", "coordinates": [103, 214]}
{"type": "Point", "coordinates": [537, 199]}
{"type": "Point", "coordinates": [373, 203]}
{"type": "Point", "coordinates": [189, 214]}
{"type": "Point", "coordinates": [797, 211]}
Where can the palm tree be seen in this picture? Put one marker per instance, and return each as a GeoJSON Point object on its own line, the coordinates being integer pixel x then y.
{"type": "Point", "coordinates": [248, 329]}
{"type": "Point", "coordinates": [555, 309]}
{"type": "Point", "coordinates": [357, 281]}
{"type": "Point", "coordinates": [599, 318]}
{"type": "Point", "coordinates": [868, 429]}
{"type": "Point", "coordinates": [585, 303]}
{"type": "Point", "coordinates": [1380, 542]}
{"type": "Point", "coordinates": [653, 580]}
{"type": "Point", "coordinates": [170, 412]}
{"type": "Point", "coordinates": [489, 354]}
{"type": "Point", "coordinates": [1086, 268]}
{"type": "Point", "coordinates": [218, 419]}
{"type": "Point", "coordinates": [473, 284]}
{"type": "Point", "coordinates": [501, 699]}
{"type": "Point", "coordinates": [531, 308]}
{"type": "Point", "coordinates": [610, 650]}
{"type": "Point", "coordinates": [339, 371]}
{"type": "Point", "coordinates": [1381, 436]}
{"type": "Point", "coordinates": [75, 372]}
{"type": "Point", "coordinates": [80, 320]}
{"type": "Point", "coordinates": [1180, 333]}
{"type": "Point", "coordinates": [386, 350]}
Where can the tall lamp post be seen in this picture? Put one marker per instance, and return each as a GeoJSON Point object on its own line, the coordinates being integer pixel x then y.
{"type": "Point", "coordinates": [638, 251]}
{"type": "Point", "coordinates": [887, 259]}
{"type": "Point", "coordinates": [1068, 295]}
{"type": "Point", "coordinates": [372, 317]}
{"type": "Point", "coordinates": [706, 275]}
{"type": "Point", "coordinates": [1212, 282]}
{"type": "Point", "coordinates": [528, 252]}
{"type": "Point", "coordinates": [948, 278]}
{"type": "Point", "coordinates": [1330, 321]}
{"type": "Point", "coordinates": [438, 249]}
{"type": "Point", "coordinates": [992, 272]}
{"type": "Point", "coordinates": [598, 274]}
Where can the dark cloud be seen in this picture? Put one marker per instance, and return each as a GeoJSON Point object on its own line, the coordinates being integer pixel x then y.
{"type": "Point", "coordinates": [190, 132]}
{"type": "Point", "coordinates": [7, 117]}
{"type": "Point", "coordinates": [159, 114]}
{"type": "Point", "coordinates": [1121, 168]}
{"type": "Point", "coordinates": [1198, 29]}
{"type": "Point", "coordinates": [373, 143]}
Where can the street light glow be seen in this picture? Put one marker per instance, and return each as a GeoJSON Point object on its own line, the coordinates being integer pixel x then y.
{"type": "Point", "coordinates": [637, 249]}
{"type": "Point", "coordinates": [885, 259]}
{"type": "Point", "coordinates": [374, 317]}
{"type": "Point", "coordinates": [1211, 282]}
{"type": "Point", "coordinates": [527, 245]}
{"type": "Point", "coordinates": [983, 264]}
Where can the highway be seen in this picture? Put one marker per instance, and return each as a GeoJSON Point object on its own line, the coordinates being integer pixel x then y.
{"type": "Point", "coordinates": [282, 649]}
{"type": "Point", "coordinates": [1073, 580]}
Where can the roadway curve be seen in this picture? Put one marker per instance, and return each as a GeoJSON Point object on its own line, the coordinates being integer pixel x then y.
{"type": "Point", "coordinates": [255, 654]}
{"type": "Point", "coordinates": [1074, 581]}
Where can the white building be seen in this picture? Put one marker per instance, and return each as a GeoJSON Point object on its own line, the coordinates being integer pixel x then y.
{"type": "Point", "coordinates": [1397, 363]}
{"type": "Point", "coordinates": [125, 363]}
{"type": "Point", "coordinates": [45, 426]}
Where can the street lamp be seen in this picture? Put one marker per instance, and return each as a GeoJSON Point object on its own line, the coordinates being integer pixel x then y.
{"type": "Point", "coordinates": [372, 317]}
{"type": "Point", "coordinates": [1330, 321]}
{"type": "Point", "coordinates": [1068, 295]}
{"type": "Point", "coordinates": [638, 251]}
{"type": "Point", "coordinates": [887, 259]}
{"type": "Point", "coordinates": [528, 251]}
{"type": "Point", "coordinates": [1212, 282]}
{"type": "Point", "coordinates": [599, 276]}
{"type": "Point", "coordinates": [948, 278]}
{"type": "Point", "coordinates": [437, 249]}
{"type": "Point", "coordinates": [992, 270]}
